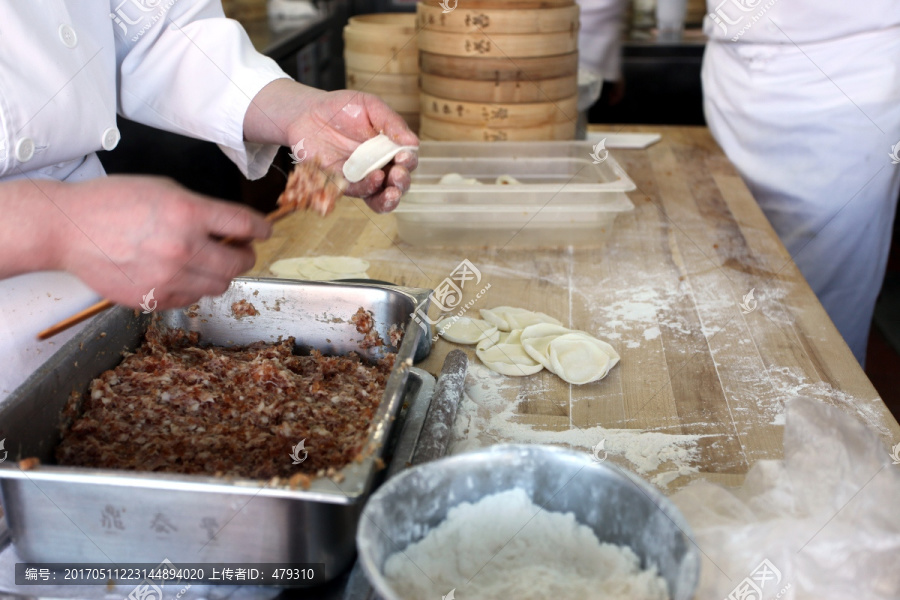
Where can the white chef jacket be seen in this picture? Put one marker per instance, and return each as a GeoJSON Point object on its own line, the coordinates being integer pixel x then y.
{"type": "Point", "coordinates": [804, 98]}
{"type": "Point", "coordinates": [66, 68]}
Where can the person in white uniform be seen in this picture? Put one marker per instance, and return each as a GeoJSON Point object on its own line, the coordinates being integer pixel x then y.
{"type": "Point", "coordinates": [600, 42]}
{"type": "Point", "coordinates": [68, 235]}
{"type": "Point", "coordinates": [804, 98]}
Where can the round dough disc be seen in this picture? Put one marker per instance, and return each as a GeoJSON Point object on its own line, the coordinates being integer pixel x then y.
{"type": "Point", "coordinates": [508, 359]}
{"type": "Point", "coordinates": [463, 330]}
{"type": "Point", "coordinates": [578, 358]}
{"type": "Point", "coordinates": [507, 318]}
{"type": "Point", "coordinates": [314, 273]}
{"type": "Point", "coordinates": [501, 337]}
{"type": "Point", "coordinates": [536, 340]}
{"type": "Point", "coordinates": [341, 264]}
{"type": "Point", "coordinates": [290, 268]}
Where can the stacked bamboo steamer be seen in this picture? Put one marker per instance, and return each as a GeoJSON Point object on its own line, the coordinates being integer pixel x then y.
{"type": "Point", "coordinates": [381, 57]}
{"type": "Point", "coordinates": [495, 70]}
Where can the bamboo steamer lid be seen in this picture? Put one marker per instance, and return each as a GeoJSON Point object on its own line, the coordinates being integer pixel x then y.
{"type": "Point", "coordinates": [538, 90]}
{"type": "Point", "coordinates": [507, 115]}
{"type": "Point", "coordinates": [499, 68]}
{"type": "Point", "coordinates": [504, 45]}
{"type": "Point", "coordinates": [434, 129]}
{"type": "Point", "coordinates": [384, 23]}
{"type": "Point", "coordinates": [383, 83]}
{"type": "Point", "coordinates": [491, 21]}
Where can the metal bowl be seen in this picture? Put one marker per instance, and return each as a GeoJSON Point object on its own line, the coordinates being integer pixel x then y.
{"type": "Point", "coordinates": [620, 508]}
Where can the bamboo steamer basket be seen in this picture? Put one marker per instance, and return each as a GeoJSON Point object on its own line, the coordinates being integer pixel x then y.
{"type": "Point", "coordinates": [541, 90]}
{"type": "Point", "coordinates": [696, 10]}
{"type": "Point", "coordinates": [413, 120]}
{"type": "Point", "coordinates": [491, 21]}
{"type": "Point", "coordinates": [385, 23]}
{"type": "Point", "coordinates": [499, 69]}
{"type": "Point", "coordinates": [381, 62]}
{"type": "Point", "coordinates": [402, 103]}
{"type": "Point", "coordinates": [507, 115]}
{"type": "Point", "coordinates": [381, 57]}
{"type": "Point", "coordinates": [383, 83]}
{"type": "Point", "coordinates": [381, 43]}
{"type": "Point", "coordinates": [435, 129]}
{"type": "Point", "coordinates": [506, 45]}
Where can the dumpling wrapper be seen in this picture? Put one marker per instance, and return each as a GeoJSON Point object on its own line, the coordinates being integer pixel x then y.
{"type": "Point", "coordinates": [341, 264]}
{"type": "Point", "coordinates": [578, 358]}
{"type": "Point", "coordinates": [507, 180]}
{"type": "Point", "coordinates": [457, 179]}
{"type": "Point", "coordinates": [507, 318]}
{"type": "Point", "coordinates": [320, 268]}
{"type": "Point", "coordinates": [464, 330]}
{"type": "Point", "coordinates": [536, 340]}
{"type": "Point", "coordinates": [371, 155]}
{"type": "Point", "coordinates": [290, 268]}
{"type": "Point", "coordinates": [507, 358]}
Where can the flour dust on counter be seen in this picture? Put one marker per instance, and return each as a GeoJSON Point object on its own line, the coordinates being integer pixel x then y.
{"type": "Point", "coordinates": [505, 546]}
{"type": "Point", "coordinates": [488, 414]}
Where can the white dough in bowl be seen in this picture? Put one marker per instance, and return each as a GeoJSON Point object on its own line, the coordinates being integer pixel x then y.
{"type": "Point", "coordinates": [372, 155]}
{"type": "Point", "coordinates": [507, 318]}
{"type": "Point", "coordinates": [463, 330]}
{"type": "Point", "coordinates": [579, 358]}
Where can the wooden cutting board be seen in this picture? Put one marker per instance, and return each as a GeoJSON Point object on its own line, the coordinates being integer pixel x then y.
{"type": "Point", "coordinates": [669, 289]}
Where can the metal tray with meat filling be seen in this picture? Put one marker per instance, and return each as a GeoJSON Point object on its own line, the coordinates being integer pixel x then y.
{"type": "Point", "coordinates": [65, 514]}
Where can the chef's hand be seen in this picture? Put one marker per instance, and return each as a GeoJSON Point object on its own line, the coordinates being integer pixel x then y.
{"type": "Point", "coordinates": [124, 236]}
{"type": "Point", "coordinates": [332, 125]}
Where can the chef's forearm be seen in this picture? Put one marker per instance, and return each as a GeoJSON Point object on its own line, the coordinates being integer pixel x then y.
{"type": "Point", "coordinates": [29, 228]}
{"type": "Point", "coordinates": [274, 109]}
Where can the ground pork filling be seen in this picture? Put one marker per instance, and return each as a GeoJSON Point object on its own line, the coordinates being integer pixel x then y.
{"type": "Point", "coordinates": [177, 407]}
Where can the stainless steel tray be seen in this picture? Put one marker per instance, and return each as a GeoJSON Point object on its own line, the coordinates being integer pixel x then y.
{"type": "Point", "coordinates": [68, 514]}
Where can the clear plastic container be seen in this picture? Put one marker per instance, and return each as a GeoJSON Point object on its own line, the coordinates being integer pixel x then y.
{"type": "Point", "coordinates": [565, 197]}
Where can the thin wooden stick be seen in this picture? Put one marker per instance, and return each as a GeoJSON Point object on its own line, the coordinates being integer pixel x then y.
{"type": "Point", "coordinates": [96, 309]}
{"type": "Point", "coordinates": [75, 319]}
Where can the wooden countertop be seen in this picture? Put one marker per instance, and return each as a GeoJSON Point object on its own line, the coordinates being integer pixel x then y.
{"type": "Point", "coordinates": [666, 290]}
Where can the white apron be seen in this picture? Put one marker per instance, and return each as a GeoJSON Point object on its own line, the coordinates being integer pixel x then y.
{"type": "Point", "coordinates": [66, 69]}
{"type": "Point", "coordinates": [810, 127]}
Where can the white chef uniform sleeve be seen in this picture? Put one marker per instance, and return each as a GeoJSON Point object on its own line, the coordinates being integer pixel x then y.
{"type": "Point", "coordinates": [185, 68]}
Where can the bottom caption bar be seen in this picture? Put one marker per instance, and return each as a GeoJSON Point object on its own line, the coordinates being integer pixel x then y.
{"type": "Point", "coordinates": [168, 573]}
